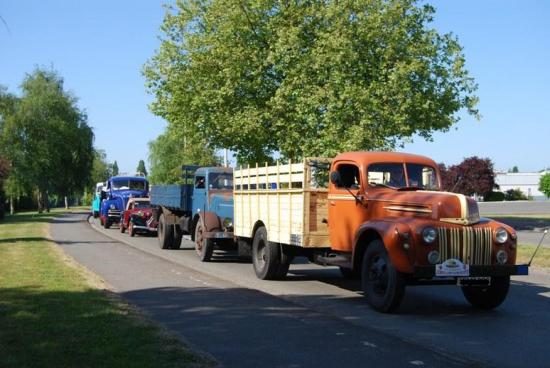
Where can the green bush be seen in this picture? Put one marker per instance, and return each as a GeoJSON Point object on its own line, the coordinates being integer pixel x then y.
{"type": "Point", "coordinates": [494, 197]}
{"type": "Point", "coordinates": [544, 184]}
{"type": "Point", "coordinates": [515, 195]}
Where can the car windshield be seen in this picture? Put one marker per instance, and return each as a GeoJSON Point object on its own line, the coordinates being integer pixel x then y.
{"type": "Point", "coordinates": [393, 175]}
{"type": "Point", "coordinates": [129, 184]}
{"type": "Point", "coordinates": [142, 204]}
{"type": "Point", "coordinates": [220, 181]}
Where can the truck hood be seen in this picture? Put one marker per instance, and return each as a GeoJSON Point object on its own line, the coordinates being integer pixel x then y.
{"type": "Point", "coordinates": [442, 206]}
{"type": "Point", "coordinates": [122, 196]}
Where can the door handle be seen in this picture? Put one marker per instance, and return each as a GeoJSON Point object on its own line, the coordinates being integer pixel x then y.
{"type": "Point", "coordinates": [332, 203]}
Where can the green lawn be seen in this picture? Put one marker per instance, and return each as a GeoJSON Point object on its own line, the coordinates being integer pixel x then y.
{"type": "Point", "coordinates": [52, 313]}
{"type": "Point", "coordinates": [542, 259]}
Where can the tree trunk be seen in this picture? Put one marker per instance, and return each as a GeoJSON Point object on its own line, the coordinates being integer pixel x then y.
{"type": "Point", "coordinates": [12, 210]}
{"type": "Point", "coordinates": [40, 203]}
{"type": "Point", "coordinates": [46, 201]}
{"type": "Point", "coordinates": [66, 203]}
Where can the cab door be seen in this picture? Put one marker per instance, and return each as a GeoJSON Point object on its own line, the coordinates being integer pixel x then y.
{"type": "Point", "coordinates": [345, 212]}
{"type": "Point", "coordinates": [199, 193]}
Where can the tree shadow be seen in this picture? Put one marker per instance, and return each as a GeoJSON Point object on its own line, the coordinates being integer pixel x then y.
{"type": "Point", "coordinates": [78, 329]}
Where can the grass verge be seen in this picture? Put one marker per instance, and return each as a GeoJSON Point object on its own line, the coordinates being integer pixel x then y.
{"type": "Point", "coordinates": [542, 259]}
{"type": "Point", "coordinates": [52, 315]}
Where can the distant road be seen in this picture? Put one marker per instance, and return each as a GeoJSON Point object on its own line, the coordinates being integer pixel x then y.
{"type": "Point", "coordinates": [515, 208]}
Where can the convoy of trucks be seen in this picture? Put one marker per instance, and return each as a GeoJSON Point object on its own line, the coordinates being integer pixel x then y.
{"type": "Point", "coordinates": [378, 216]}
{"type": "Point", "coordinates": [115, 195]}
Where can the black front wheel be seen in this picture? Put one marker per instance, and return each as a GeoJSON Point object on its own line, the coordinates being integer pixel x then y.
{"type": "Point", "coordinates": [107, 223]}
{"type": "Point", "coordinates": [203, 246]}
{"type": "Point", "coordinates": [383, 285]}
{"type": "Point", "coordinates": [488, 297]}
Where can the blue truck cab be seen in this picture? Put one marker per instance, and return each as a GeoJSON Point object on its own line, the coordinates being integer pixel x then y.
{"type": "Point", "coordinates": [96, 203]}
{"type": "Point", "coordinates": [116, 194]}
{"type": "Point", "coordinates": [202, 207]}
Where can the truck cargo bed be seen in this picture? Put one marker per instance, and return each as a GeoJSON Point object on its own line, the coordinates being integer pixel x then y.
{"type": "Point", "coordinates": [176, 196]}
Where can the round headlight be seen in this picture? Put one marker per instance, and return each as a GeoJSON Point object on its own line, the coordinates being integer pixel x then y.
{"type": "Point", "coordinates": [502, 256]}
{"type": "Point", "coordinates": [501, 235]}
{"type": "Point", "coordinates": [433, 257]}
{"type": "Point", "coordinates": [227, 222]}
{"type": "Point", "coordinates": [429, 234]}
{"type": "Point", "coordinates": [112, 206]}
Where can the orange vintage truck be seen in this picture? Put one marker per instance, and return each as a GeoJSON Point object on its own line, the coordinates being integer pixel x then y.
{"type": "Point", "coordinates": [378, 215]}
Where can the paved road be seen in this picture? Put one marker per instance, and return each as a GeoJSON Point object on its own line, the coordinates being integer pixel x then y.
{"type": "Point", "coordinates": [526, 234]}
{"type": "Point", "coordinates": [315, 318]}
{"type": "Point", "coordinates": [515, 208]}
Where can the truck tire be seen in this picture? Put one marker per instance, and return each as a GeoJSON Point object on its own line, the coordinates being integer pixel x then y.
{"type": "Point", "coordinates": [176, 241]}
{"type": "Point", "coordinates": [203, 246]}
{"type": "Point", "coordinates": [286, 260]}
{"type": "Point", "coordinates": [107, 223]}
{"type": "Point", "coordinates": [121, 226]}
{"type": "Point", "coordinates": [165, 233]}
{"type": "Point", "coordinates": [266, 257]}
{"type": "Point", "coordinates": [488, 297]}
{"type": "Point", "coordinates": [131, 230]}
{"type": "Point", "coordinates": [383, 285]}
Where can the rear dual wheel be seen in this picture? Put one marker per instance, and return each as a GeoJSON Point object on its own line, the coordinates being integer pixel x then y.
{"type": "Point", "coordinates": [270, 260]}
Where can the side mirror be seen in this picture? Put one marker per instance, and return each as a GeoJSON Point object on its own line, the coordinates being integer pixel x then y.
{"type": "Point", "coordinates": [336, 179]}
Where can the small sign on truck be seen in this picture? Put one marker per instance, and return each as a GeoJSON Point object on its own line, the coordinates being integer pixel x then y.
{"type": "Point", "coordinates": [380, 216]}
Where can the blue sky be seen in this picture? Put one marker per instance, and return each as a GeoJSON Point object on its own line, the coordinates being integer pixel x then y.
{"type": "Point", "coordinates": [99, 48]}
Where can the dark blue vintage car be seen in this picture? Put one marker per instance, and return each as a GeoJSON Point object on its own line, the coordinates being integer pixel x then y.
{"type": "Point", "coordinates": [116, 194]}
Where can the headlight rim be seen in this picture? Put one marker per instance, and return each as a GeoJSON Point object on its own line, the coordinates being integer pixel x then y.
{"type": "Point", "coordinates": [423, 233]}
{"type": "Point", "coordinates": [499, 240]}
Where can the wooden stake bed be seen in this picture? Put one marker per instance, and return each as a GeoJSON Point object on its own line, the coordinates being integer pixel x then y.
{"type": "Point", "coordinates": [290, 200]}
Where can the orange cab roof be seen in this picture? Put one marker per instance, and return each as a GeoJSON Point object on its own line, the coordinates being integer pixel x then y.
{"type": "Point", "coordinates": [367, 157]}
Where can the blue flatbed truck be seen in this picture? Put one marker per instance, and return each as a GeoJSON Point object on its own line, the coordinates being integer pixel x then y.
{"type": "Point", "coordinates": [201, 207]}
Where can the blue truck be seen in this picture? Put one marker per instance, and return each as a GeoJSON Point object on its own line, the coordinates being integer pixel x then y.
{"type": "Point", "coordinates": [96, 204]}
{"type": "Point", "coordinates": [201, 207]}
{"type": "Point", "coordinates": [115, 195]}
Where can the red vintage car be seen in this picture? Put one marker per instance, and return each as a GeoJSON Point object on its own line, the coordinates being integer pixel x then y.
{"type": "Point", "coordinates": [138, 217]}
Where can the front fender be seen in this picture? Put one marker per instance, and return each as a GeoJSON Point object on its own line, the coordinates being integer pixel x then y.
{"type": "Point", "coordinates": [394, 235]}
{"type": "Point", "coordinates": [211, 221]}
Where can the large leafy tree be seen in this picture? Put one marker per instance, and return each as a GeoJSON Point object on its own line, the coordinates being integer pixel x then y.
{"type": "Point", "coordinates": [544, 184]}
{"type": "Point", "coordinates": [47, 139]}
{"type": "Point", "coordinates": [472, 176]}
{"type": "Point", "coordinates": [171, 150]}
{"type": "Point", "coordinates": [307, 78]}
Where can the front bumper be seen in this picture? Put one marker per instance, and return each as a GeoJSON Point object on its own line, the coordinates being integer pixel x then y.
{"type": "Point", "coordinates": [114, 214]}
{"type": "Point", "coordinates": [428, 272]}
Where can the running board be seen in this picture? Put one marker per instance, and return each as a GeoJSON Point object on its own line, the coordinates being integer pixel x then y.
{"type": "Point", "coordinates": [334, 260]}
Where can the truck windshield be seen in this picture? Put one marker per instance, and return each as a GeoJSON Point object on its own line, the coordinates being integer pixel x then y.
{"type": "Point", "coordinates": [421, 176]}
{"type": "Point", "coordinates": [220, 181]}
{"type": "Point", "coordinates": [129, 184]}
{"type": "Point", "coordinates": [393, 175]}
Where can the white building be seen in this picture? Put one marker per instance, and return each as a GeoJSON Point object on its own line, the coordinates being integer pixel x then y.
{"type": "Point", "coordinates": [528, 183]}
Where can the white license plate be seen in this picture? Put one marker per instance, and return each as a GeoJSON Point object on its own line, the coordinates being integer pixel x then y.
{"type": "Point", "coordinates": [452, 268]}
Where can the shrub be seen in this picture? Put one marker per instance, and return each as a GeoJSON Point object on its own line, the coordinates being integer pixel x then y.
{"type": "Point", "coordinates": [515, 195]}
{"type": "Point", "coordinates": [494, 197]}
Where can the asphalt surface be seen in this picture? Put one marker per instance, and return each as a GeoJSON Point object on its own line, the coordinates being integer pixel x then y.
{"type": "Point", "coordinates": [528, 233]}
{"type": "Point", "coordinates": [315, 318]}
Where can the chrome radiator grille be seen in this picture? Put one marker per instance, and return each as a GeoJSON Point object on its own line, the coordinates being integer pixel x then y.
{"type": "Point", "coordinates": [471, 246]}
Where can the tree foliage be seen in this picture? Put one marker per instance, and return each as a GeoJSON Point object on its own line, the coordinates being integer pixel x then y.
{"type": "Point", "coordinates": [114, 169]}
{"type": "Point", "coordinates": [473, 176]}
{"type": "Point", "coordinates": [171, 150]}
{"type": "Point", "coordinates": [141, 168]}
{"type": "Point", "coordinates": [47, 139]}
{"type": "Point", "coordinates": [307, 78]}
{"type": "Point", "coordinates": [100, 168]}
{"type": "Point", "coordinates": [544, 184]}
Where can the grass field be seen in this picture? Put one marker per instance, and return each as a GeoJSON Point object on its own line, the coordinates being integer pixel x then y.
{"type": "Point", "coordinates": [54, 314]}
{"type": "Point", "coordinates": [541, 260]}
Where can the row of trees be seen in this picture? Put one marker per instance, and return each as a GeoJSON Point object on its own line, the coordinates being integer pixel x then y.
{"type": "Point", "coordinates": [300, 78]}
{"type": "Point", "coordinates": [44, 139]}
